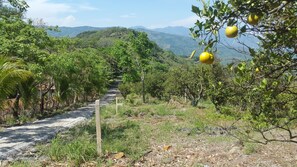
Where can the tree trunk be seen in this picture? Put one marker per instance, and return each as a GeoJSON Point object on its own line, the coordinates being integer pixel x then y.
{"type": "Point", "coordinates": [75, 98]}
{"type": "Point", "coordinates": [194, 103]}
{"type": "Point", "coordinates": [42, 95]}
{"type": "Point", "coordinates": [42, 103]}
{"type": "Point", "coordinates": [16, 107]}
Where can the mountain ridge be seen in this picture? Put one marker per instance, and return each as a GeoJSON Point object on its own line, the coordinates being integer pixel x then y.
{"type": "Point", "coordinates": [169, 38]}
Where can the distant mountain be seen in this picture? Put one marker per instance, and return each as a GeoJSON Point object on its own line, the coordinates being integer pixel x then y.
{"type": "Point", "coordinates": [72, 31]}
{"type": "Point", "coordinates": [184, 45]}
{"type": "Point", "coordinates": [184, 31]}
{"type": "Point", "coordinates": [178, 30]}
{"type": "Point", "coordinates": [180, 45]}
{"type": "Point", "coordinates": [175, 39]}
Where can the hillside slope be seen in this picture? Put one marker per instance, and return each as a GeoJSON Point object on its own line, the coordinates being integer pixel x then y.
{"type": "Point", "coordinates": [106, 38]}
{"type": "Point", "coordinates": [72, 31]}
{"type": "Point", "coordinates": [170, 39]}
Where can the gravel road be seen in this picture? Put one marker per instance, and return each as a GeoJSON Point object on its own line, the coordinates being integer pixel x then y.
{"type": "Point", "coordinates": [16, 140]}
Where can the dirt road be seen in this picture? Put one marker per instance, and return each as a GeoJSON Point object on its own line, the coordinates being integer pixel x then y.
{"type": "Point", "coordinates": [15, 140]}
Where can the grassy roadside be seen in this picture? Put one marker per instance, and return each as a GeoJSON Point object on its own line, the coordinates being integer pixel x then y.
{"type": "Point", "coordinates": [131, 131]}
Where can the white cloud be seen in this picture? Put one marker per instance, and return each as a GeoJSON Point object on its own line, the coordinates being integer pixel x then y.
{"type": "Point", "coordinates": [130, 15]}
{"type": "Point", "coordinates": [68, 21]}
{"type": "Point", "coordinates": [44, 8]}
{"type": "Point", "coordinates": [87, 8]}
{"type": "Point", "coordinates": [186, 22]}
{"type": "Point", "coordinates": [51, 13]}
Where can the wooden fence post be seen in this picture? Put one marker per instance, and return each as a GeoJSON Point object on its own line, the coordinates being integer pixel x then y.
{"type": "Point", "coordinates": [98, 127]}
{"type": "Point", "coordinates": [117, 105]}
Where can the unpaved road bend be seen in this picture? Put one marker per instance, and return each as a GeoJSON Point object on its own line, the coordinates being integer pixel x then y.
{"type": "Point", "coordinates": [15, 140]}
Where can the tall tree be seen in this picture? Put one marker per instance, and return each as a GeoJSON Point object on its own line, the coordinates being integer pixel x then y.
{"type": "Point", "coordinates": [141, 52]}
{"type": "Point", "coordinates": [189, 80]}
{"type": "Point", "coordinates": [135, 57]}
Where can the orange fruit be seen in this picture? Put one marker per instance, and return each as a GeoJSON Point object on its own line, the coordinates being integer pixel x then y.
{"type": "Point", "coordinates": [253, 19]}
{"type": "Point", "coordinates": [206, 57]}
{"type": "Point", "coordinates": [231, 31]}
{"type": "Point", "coordinates": [257, 69]}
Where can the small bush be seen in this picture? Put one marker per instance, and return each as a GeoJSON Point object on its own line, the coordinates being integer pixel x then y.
{"type": "Point", "coordinates": [133, 99]}
{"type": "Point", "coordinates": [162, 110]}
{"type": "Point", "coordinates": [250, 148]}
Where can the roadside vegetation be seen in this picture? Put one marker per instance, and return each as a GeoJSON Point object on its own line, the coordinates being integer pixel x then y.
{"type": "Point", "coordinates": [170, 133]}
{"type": "Point", "coordinates": [131, 131]}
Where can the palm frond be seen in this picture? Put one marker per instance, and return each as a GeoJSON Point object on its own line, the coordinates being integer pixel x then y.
{"type": "Point", "coordinates": [12, 74]}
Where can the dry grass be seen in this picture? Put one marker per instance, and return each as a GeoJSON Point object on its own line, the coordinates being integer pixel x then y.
{"type": "Point", "coordinates": [191, 136]}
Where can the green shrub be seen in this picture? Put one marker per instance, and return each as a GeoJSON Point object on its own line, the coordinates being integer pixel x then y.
{"type": "Point", "coordinates": [133, 99]}
{"type": "Point", "coordinates": [250, 148]}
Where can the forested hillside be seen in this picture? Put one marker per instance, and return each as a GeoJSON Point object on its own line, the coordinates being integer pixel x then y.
{"type": "Point", "coordinates": [71, 31]}
{"type": "Point", "coordinates": [175, 39]}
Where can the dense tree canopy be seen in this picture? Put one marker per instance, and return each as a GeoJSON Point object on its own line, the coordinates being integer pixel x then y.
{"type": "Point", "coordinates": [39, 72]}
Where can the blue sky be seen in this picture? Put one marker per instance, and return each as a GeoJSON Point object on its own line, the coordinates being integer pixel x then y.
{"type": "Point", "coordinates": [106, 13]}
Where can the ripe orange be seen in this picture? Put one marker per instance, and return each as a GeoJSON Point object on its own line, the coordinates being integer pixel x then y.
{"type": "Point", "coordinates": [211, 60]}
{"type": "Point", "coordinates": [231, 31]}
{"type": "Point", "coordinates": [206, 57]}
{"type": "Point", "coordinates": [253, 19]}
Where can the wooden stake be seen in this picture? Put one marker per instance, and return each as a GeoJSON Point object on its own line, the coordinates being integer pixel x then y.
{"type": "Point", "coordinates": [98, 127]}
{"type": "Point", "coordinates": [116, 105]}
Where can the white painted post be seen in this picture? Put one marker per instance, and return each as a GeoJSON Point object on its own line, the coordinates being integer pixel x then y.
{"type": "Point", "coordinates": [98, 127]}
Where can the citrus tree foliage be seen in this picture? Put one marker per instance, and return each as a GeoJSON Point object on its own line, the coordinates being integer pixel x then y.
{"type": "Point", "coordinates": [135, 57]}
{"type": "Point", "coordinates": [77, 75]}
{"type": "Point", "coordinates": [154, 82]}
{"type": "Point", "coordinates": [23, 40]}
{"type": "Point", "coordinates": [191, 81]}
{"type": "Point", "coordinates": [266, 86]}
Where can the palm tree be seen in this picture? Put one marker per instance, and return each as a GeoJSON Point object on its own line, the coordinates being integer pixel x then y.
{"type": "Point", "coordinates": [12, 74]}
